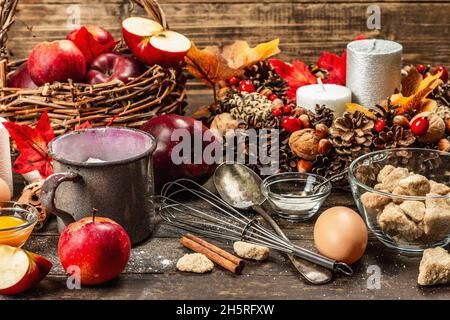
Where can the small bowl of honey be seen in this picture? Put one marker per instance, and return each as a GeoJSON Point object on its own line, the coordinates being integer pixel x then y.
{"type": "Point", "coordinates": [17, 221]}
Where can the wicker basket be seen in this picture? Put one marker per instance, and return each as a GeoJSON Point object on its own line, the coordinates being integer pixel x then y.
{"type": "Point", "coordinates": [158, 91]}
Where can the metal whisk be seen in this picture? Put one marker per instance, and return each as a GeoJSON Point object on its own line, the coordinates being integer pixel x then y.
{"type": "Point", "coordinates": [221, 221]}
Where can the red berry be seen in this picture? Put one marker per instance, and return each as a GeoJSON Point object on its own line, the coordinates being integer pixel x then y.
{"type": "Point", "coordinates": [273, 97]}
{"type": "Point", "coordinates": [246, 86]}
{"type": "Point", "coordinates": [420, 126]}
{"type": "Point", "coordinates": [444, 76]}
{"type": "Point", "coordinates": [421, 68]}
{"type": "Point", "coordinates": [277, 112]}
{"type": "Point", "coordinates": [287, 109]}
{"type": "Point", "coordinates": [379, 126]}
{"type": "Point", "coordinates": [233, 81]}
{"type": "Point", "coordinates": [291, 124]}
{"type": "Point", "coordinates": [426, 75]}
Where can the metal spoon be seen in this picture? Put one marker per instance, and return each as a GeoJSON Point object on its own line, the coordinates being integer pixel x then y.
{"type": "Point", "coordinates": [239, 186]}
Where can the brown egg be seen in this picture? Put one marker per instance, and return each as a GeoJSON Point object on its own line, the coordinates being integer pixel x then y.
{"type": "Point", "coordinates": [5, 193]}
{"type": "Point", "coordinates": [341, 234]}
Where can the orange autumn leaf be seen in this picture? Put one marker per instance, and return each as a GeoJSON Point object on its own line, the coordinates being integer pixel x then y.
{"type": "Point", "coordinates": [213, 65]}
{"type": "Point", "coordinates": [240, 55]}
{"type": "Point", "coordinates": [417, 102]}
{"type": "Point", "coordinates": [208, 65]}
{"type": "Point", "coordinates": [353, 107]}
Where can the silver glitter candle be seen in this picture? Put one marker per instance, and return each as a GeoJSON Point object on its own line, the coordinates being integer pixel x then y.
{"type": "Point", "coordinates": [373, 70]}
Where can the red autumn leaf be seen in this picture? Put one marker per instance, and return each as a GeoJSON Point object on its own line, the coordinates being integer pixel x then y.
{"type": "Point", "coordinates": [335, 65]}
{"type": "Point", "coordinates": [89, 45]}
{"type": "Point", "coordinates": [296, 75]}
{"type": "Point", "coordinates": [32, 145]}
{"type": "Point", "coordinates": [84, 125]}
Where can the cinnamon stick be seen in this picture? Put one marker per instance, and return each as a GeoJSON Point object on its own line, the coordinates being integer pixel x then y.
{"type": "Point", "coordinates": [218, 259]}
{"type": "Point", "coordinates": [216, 249]}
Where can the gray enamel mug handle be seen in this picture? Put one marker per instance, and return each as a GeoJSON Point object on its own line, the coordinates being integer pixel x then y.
{"type": "Point", "coordinates": [48, 192]}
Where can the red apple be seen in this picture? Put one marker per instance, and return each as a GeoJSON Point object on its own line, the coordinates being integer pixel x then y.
{"type": "Point", "coordinates": [165, 170]}
{"type": "Point", "coordinates": [21, 78]}
{"type": "Point", "coordinates": [100, 247]}
{"type": "Point", "coordinates": [92, 41]}
{"type": "Point", "coordinates": [151, 44]}
{"type": "Point", "coordinates": [112, 66]}
{"type": "Point", "coordinates": [20, 270]}
{"type": "Point", "coordinates": [56, 61]}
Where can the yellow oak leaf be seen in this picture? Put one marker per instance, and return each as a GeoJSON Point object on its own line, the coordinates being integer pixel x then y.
{"type": "Point", "coordinates": [240, 55]}
{"type": "Point", "coordinates": [353, 107]}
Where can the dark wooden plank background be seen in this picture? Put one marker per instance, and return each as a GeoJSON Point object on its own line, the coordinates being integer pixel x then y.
{"type": "Point", "coordinates": [304, 27]}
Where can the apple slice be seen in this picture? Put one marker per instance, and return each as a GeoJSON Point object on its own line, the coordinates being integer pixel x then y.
{"type": "Point", "coordinates": [20, 270]}
{"type": "Point", "coordinates": [151, 44]}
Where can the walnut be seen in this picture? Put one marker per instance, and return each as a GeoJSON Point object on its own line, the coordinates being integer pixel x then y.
{"type": "Point", "coordinates": [436, 128]}
{"type": "Point", "coordinates": [224, 122]}
{"type": "Point", "coordinates": [304, 143]}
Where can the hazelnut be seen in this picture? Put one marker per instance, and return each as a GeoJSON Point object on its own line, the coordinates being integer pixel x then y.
{"type": "Point", "coordinates": [304, 143]}
{"type": "Point", "coordinates": [402, 121]}
{"type": "Point", "coordinates": [266, 92]}
{"type": "Point", "coordinates": [277, 103]}
{"type": "Point", "coordinates": [436, 127]}
{"type": "Point", "coordinates": [304, 166]}
{"type": "Point", "coordinates": [304, 119]}
{"type": "Point", "coordinates": [300, 110]}
{"type": "Point", "coordinates": [223, 122]}
{"type": "Point", "coordinates": [324, 146]}
{"type": "Point", "coordinates": [447, 125]}
{"type": "Point", "coordinates": [444, 145]}
{"type": "Point", "coordinates": [322, 131]}
{"type": "Point", "coordinates": [222, 93]}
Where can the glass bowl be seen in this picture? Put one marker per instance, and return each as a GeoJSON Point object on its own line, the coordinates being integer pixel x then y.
{"type": "Point", "coordinates": [416, 226]}
{"type": "Point", "coordinates": [16, 236]}
{"type": "Point", "coordinates": [285, 192]}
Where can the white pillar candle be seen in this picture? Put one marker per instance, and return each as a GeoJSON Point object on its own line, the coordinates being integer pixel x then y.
{"type": "Point", "coordinates": [334, 96]}
{"type": "Point", "coordinates": [5, 156]}
{"type": "Point", "coordinates": [373, 70]}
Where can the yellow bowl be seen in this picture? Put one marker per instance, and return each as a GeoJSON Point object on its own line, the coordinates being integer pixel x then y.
{"type": "Point", "coordinates": [12, 232]}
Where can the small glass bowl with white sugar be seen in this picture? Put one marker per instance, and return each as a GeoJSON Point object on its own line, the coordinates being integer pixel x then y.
{"type": "Point", "coordinates": [295, 196]}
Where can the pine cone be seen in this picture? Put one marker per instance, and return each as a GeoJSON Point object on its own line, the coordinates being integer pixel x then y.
{"type": "Point", "coordinates": [322, 114]}
{"type": "Point", "coordinates": [262, 75]}
{"type": "Point", "coordinates": [288, 160]}
{"type": "Point", "coordinates": [351, 134]}
{"type": "Point", "coordinates": [254, 109]}
{"type": "Point", "coordinates": [393, 137]}
{"type": "Point", "coordinates": [442, 96]}
{"type": "Point", "coordinates": [331, 164]}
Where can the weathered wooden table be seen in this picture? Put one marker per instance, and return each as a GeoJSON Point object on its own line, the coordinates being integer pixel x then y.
{"type": "Point", "coordinates": [151, 272]}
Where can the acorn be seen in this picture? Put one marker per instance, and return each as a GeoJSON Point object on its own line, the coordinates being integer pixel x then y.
{"type": "Point", "coordinates": [304, 166]}
{"type": "Point", "coordinates": [402, 121]}
{"type": "Point", "coordinates": [324, 146]}
{"type": "Point", "coordinates": [444, 145]}
{"type": "Point", "coordinates": [304, 119]}
{"type": "Point", "coordinates": [322, 131]}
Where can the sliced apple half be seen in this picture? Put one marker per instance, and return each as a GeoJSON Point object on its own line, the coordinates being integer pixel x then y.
{"type": "Point", "coordinates": [151, 44]}
{"type": "Point", "coordinates": [20, 270]}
